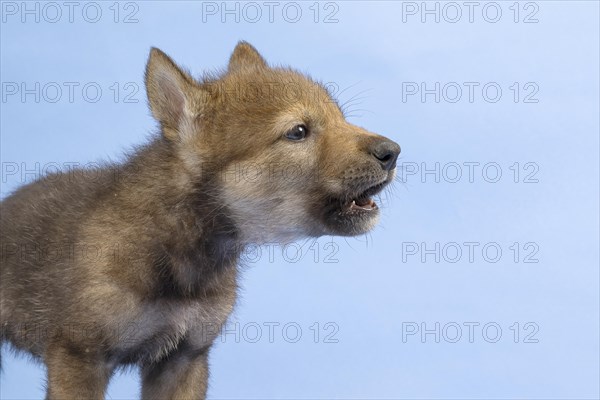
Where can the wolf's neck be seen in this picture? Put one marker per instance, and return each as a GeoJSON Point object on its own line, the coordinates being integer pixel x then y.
{"type": "Point", "coordinates": [195, 240]}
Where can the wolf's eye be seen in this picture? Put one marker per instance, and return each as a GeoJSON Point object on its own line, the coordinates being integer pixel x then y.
{"type": "Point", "coordinates": [297, 133]}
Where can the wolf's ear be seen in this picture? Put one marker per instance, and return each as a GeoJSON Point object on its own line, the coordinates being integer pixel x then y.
{"type": "Point", "coordinates": [245, 56]}
{"type": "Point", "coordinates": [170, 92]}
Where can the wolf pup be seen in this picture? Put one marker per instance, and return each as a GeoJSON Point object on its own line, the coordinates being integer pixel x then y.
{"type": "Point", "coordinates": [136, 263]}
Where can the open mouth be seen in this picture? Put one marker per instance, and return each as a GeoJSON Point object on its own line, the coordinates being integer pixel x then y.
{"type": "Point", "coordinates": [363, 202]}
{"type": "Point", "coordinates": [355, 212]}
{"type": "Point", "coordinates": [363, 205]}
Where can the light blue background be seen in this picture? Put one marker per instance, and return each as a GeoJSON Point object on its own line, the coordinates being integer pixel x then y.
{"type": "Point", "coordinates": [375, 288]}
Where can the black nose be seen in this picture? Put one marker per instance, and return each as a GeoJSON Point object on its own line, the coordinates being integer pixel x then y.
{"type": "Point", "coordinates": [386, 152]}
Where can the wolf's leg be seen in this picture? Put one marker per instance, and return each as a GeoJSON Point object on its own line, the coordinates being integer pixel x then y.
{"type": "Point", "coordinates": [74, 375]}
{"type": "Point", "coordinates": [182, 375]}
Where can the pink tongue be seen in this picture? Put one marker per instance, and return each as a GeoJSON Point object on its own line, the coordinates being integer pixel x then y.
{"type": "Point", "coordinates": [364, 203]}
{"type": "Point", "coordinates": [367, 205]}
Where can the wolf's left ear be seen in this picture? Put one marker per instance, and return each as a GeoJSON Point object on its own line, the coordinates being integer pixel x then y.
{"type": "Point", "coordinates": [245, 56]}
{"type": "Point", "coordinates": [170, 92]}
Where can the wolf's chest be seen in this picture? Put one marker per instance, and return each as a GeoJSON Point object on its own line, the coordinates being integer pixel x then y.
{"type": "Point", "coordinates": [160, 327]}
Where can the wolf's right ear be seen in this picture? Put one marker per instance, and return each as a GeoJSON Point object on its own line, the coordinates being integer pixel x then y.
{"type": "Point", "coordinates": [170, 92]}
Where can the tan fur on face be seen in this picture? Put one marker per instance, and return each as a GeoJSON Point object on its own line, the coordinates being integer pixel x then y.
{"type": "Point", "coordinates": [267, 102]}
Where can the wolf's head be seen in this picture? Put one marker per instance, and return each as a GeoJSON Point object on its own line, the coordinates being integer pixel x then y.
{"type": "Point", "coordinates": [285, 161]}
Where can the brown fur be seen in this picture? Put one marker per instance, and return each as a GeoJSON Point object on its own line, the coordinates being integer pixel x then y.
{"type": "Point", "coordinates": [136, 263]}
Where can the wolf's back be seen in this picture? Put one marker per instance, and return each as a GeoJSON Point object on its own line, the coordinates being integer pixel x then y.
{"type": "Point", "coordinates": [39, 227]}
